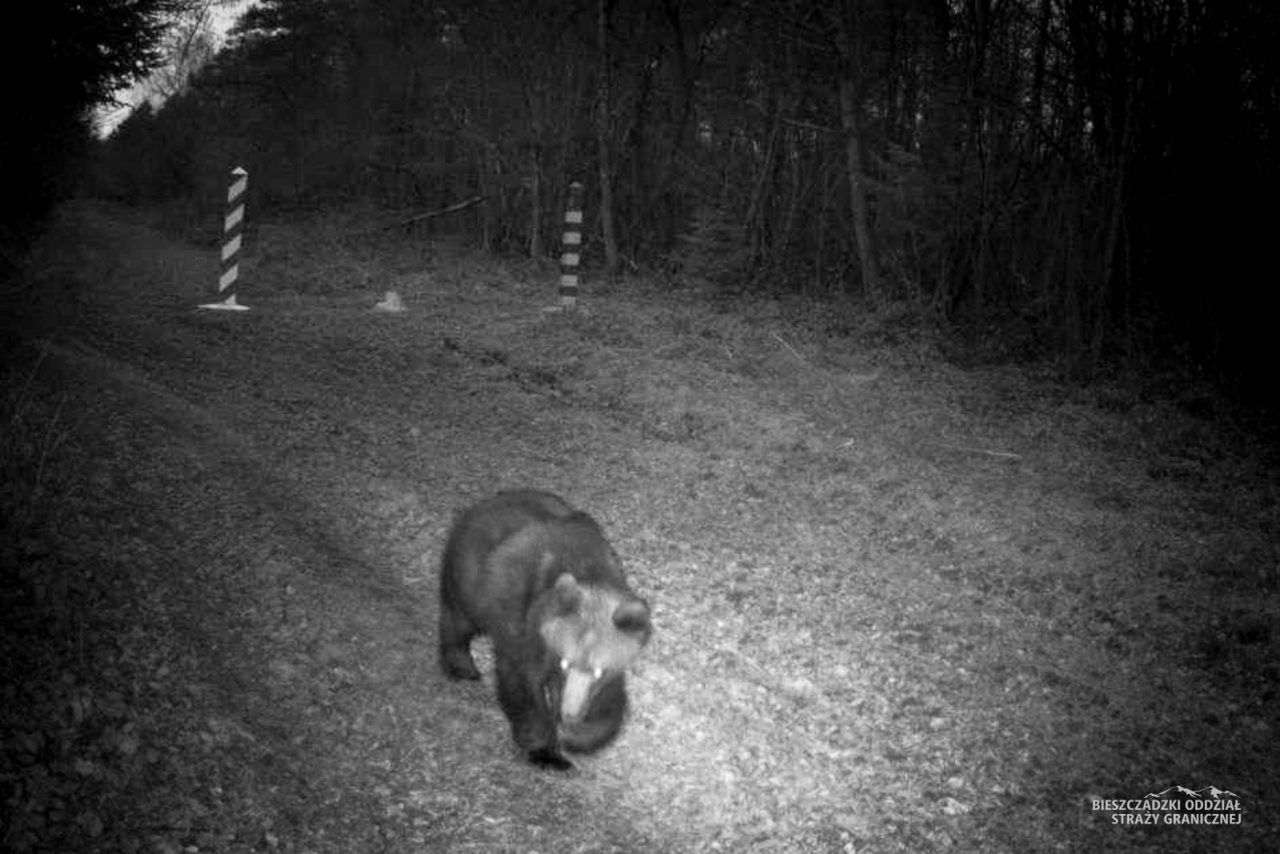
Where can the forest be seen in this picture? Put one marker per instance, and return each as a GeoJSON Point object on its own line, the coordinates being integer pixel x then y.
{"type": "Point", "coordinates": [1076, 181]}
{"type": "Point", "coordinates": [916, 382]}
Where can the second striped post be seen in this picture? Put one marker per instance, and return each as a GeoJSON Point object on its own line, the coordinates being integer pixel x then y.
{"type": "Point", "coordinates": [571, 251]}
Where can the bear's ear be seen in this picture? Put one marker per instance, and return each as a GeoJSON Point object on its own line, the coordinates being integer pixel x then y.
{"type": "Point", "coordinates": [632, 616]}
{"type": "Point", "coordinates": [568, 593]}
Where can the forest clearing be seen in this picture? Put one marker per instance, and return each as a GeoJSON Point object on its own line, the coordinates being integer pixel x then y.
{"type": "Point", "coordinates": [899, 604]}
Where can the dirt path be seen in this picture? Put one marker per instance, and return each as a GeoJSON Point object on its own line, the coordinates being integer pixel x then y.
{"type": "Point", "coordinates": [898, 607]}
{"type": "Point", "coordinates": [224, 497]}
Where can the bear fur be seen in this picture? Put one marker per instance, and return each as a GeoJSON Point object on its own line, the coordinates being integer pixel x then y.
{"type": "Point", "coordinates": [539, 578]}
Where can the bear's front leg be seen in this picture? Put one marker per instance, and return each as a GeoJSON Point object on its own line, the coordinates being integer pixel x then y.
{"type": "Point", "coordinates": [533, 724]}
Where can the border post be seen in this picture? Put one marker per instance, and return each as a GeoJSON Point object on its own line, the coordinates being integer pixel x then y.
{"type": "Point", "coordinates": [571, 247]}
{"type": "Point", "coordinates": [232, 229]}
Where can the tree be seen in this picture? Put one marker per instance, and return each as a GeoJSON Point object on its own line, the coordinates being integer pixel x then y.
{"type": "Point", "coordinates": [853, 22]}
{"type": "Point", "coordinates": [79, 55]}
{"type": "Point", "coordinates": [604, 142]}
{"type": "Point", "coordinates": [1053, 177]}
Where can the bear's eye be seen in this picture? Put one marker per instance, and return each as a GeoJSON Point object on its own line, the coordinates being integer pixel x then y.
{"type": "Point", "coordinates": [565, 665]}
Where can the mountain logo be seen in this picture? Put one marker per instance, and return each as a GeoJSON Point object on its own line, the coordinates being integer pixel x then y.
{"type": "Point", "coordinates": [1182, 791]}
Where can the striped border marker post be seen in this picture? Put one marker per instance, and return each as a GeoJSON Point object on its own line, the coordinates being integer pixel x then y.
{"type": "Point", "coordinates": [232, 226]}
{"type": "Point", "coordinates": [571, 252]}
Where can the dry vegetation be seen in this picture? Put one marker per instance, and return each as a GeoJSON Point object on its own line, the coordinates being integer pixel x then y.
{"type": "Point", "coordinates": [901, 606]}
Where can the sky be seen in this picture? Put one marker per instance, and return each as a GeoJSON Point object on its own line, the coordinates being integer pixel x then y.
{"type": "Point", "coordinates": [222, 14]}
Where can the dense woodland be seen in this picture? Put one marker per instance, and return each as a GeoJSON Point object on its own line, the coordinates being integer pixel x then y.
{"type": "Point", "coordinates": [1074, 179]}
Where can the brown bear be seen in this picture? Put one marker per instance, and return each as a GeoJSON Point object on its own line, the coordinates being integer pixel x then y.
{"type": "Point", "coordinates": [540, 579]}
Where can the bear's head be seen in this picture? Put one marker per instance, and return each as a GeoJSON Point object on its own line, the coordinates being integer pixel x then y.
{"type": "Point", "coordinates": [596, 632]}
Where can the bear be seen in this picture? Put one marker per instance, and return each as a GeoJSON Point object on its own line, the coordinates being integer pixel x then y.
{"type": "Point", "coordinates": [540, 579]}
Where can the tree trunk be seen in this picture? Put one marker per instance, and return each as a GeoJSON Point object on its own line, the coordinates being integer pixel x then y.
{"type": "Point", "coordinates": [611, 262]}
{"type": "Point", "coordinates": [860, 206]}
{"type": "Point", "coordinates": [535, 203]}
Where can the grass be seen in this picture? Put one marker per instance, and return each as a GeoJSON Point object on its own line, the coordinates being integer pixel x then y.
{"type": "Point", "coordinates": [900, 605]}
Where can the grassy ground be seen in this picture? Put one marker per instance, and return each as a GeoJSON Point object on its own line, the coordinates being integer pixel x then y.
{"type": "Point", "coordinates": [899, 606]}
